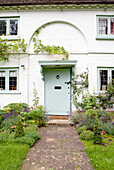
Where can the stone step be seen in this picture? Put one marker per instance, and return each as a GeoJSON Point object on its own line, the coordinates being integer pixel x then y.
{"type": "Point", "coordinates": [58, 122]}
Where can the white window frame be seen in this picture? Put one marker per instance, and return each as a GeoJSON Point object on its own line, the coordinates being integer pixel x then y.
{"type": "Point", "coordinates": [7, 36]}
{"type": "Point", "coordinates": [7, 71]}
{"type": "Point", "coordinates": [109, 35]}
{"type": "Point", "coordinates": [109, 70]}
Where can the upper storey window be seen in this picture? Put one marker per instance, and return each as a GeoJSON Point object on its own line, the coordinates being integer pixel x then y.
{"type": "Point", "coordinates": [105, 27]}
{"type": "Point", "coordinates": [9, 28]}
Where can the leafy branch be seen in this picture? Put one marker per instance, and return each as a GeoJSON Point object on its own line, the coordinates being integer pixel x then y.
{"type": "Point", "coordinates": [39, 47]}
{"type": "Point", "coordinates": [6, 47]}
{"type": "Point", "coordinates": [78, 89]}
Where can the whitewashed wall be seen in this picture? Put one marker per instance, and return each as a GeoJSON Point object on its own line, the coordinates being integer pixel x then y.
{"type": "Point", "coordinates": [75, 31]}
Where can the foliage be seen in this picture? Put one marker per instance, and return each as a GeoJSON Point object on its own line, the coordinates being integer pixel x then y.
{"type": "Point", "coordinates": [105, 98]}
{"type": "Point", "coordinates": [92, 113]}
{"type": "Point", "coordinates": [17, 107]}
{"type": "Point", "coordinates": [97, 138]}
{"type": "Point", "coordinates": [6, 47]}
{"type": "Point", "coordinates": [8, 122]}
{"type": "Point", "coordinates": [87, 121]}
{"type": "Point", "coordinates": [37, 115]}
{"type": "Point", "coordinates": [89, 101]}
{"type": "Point", "coordinates": [36, 98]}
{"type": "Point", "coordinates": [31, 135]}
{"type": "Point", "coordinates": [19, 131]}
{"type": "Point", "coordinates": [104, 117]}
{"type": "Point", "coordinates": [76, 118]}
{"type": "Point", "coordinates": [86, 135]}
{"type": "Point", "coordinates": [101, 157]}
{"type": "Point", "coordinates": [4, 136]}
{"type": "Point", "coordinates": [108, 127]}
{"type": "Point", "coordinates": [39, 47]}
{"type": "Point", "coordinates": [12, 155]}
{"type": "Point", "coordinates": [81, 129]}
{"type": "Point", "coordinates": [78, 89]}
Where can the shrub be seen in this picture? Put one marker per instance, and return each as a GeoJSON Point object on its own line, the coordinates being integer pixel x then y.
{"type": "Point", "coordinates": [19, 131]}
{"type": "Point", "coordinates": [89, 101]}
{"type": "Point", "coordinates": [97, 137]}
{"type": "Point", "coordinates": [8, 122]}
{"type": "Point", "coordinates": [37, 115]}
{"type": "Point", "coordinates": [92, 113]}
{"type": "Point", "coordinates": [4, 136]}
{"type": "Point", "coordinates": [108, 128]}
{"type": "Point", "coordinates": [88, 122]}
{"type": "Point", "coordinates": [86, 135]}
{"type": "Point", "coordinates": [104, 116]}
{"type": "Point", "coordinates": [76, 118]}
{"type": "Point", "coordinates": [31, 135]}
{"type": "Point", "coordinates": [17, 107]}
{"type": "Point", "coordinates": [81, 129]}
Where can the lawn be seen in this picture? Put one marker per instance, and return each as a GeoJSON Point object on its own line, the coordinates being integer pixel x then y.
{"type": "Point", "coordinates": [101, 156]}
{"type": "Point", "coordinates": [12, 156]}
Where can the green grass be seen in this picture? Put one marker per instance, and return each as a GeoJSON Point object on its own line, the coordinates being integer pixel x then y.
{"type": "Point", "coordinates": [12, 156]}
{"type": "Point", "coordinates": [101, 157]}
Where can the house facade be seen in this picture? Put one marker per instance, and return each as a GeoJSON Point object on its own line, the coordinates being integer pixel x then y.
{"type": "Point", "coordinates": [84, 28]}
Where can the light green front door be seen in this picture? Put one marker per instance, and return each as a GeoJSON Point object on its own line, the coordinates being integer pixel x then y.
{"type": "Point", "coordinates": [57, 91]}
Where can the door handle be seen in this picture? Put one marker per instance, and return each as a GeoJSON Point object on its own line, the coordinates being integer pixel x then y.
{"type": "Point", "coordinates": [68, 82]}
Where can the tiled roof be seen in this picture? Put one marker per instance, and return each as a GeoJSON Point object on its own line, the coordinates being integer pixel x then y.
{"type": "Point", "coordinates": [56, 2]}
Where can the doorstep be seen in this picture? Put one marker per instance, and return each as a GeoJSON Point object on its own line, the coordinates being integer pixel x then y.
{"type": "Point", "coordinates": [59, 122]}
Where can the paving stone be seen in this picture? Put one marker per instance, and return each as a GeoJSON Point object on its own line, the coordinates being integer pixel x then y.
{"type": "Point", "coordinates": [51, 159]}
{"type": "Point", "coordinates": [72, 145]}
{"type": "Point", "coordinates": [59, 149]}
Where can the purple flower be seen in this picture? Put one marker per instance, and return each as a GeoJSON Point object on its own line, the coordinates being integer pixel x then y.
{"type": "Point", "coordinates": [100, 103]}
{"type": "Point", "coordinates": [26, 110]}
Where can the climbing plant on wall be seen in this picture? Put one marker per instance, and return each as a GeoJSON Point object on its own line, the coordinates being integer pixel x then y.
{"type": "Point", "coordinates": [78, 89]}
{"type": "Point", "coordinates": [6, 47]}
{"type": "Point", "coordinates": [39, 47]}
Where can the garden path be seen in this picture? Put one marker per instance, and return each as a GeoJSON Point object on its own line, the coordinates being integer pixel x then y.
{"type": "Point", "coordinates": [59, 149]}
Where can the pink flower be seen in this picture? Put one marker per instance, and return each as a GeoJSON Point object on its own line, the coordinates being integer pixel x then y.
{"type": "Point", "coordinates": [82, 96]}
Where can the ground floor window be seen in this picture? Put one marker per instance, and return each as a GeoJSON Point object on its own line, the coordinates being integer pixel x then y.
{"type": "Point", "coordinates": [104, 76]}
{"type": "Point", "coordinates": [8, 80]}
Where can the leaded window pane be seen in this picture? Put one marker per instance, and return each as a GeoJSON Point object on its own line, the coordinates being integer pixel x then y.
{"type": "Point", "coordinates": [103, 79]}
{"type": "Point", "coordinates": [13, 27]}
{"type": "Point", "coordinates": [112, 26]}
{"type": "Point", "coordinates": [2, 80]}
{"type": "Point", "coordinates": [2, 27]}
{"type": "Point", "coordinates": [103, 26]}
{"type": "Point", "coordinates": [13, 80]}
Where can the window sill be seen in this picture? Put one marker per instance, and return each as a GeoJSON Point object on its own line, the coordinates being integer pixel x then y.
{"type": "Point", "coordinates": [13, 37]}
{"type": "Point", "coordinates": [105, 38]}
{"type": "Point", "coordinates": [9, 92]}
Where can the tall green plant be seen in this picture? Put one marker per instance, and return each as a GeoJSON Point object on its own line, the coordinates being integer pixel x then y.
{"type": "Point", "coordinates": [19, 131]}
{"type": "Point", "coordinates": [36, 98]}
{"type": "Point", "coordinates": [97, 137]}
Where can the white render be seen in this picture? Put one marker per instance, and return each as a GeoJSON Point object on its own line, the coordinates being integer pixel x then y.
{"type": "Point", "coordinates": [75, 30]}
